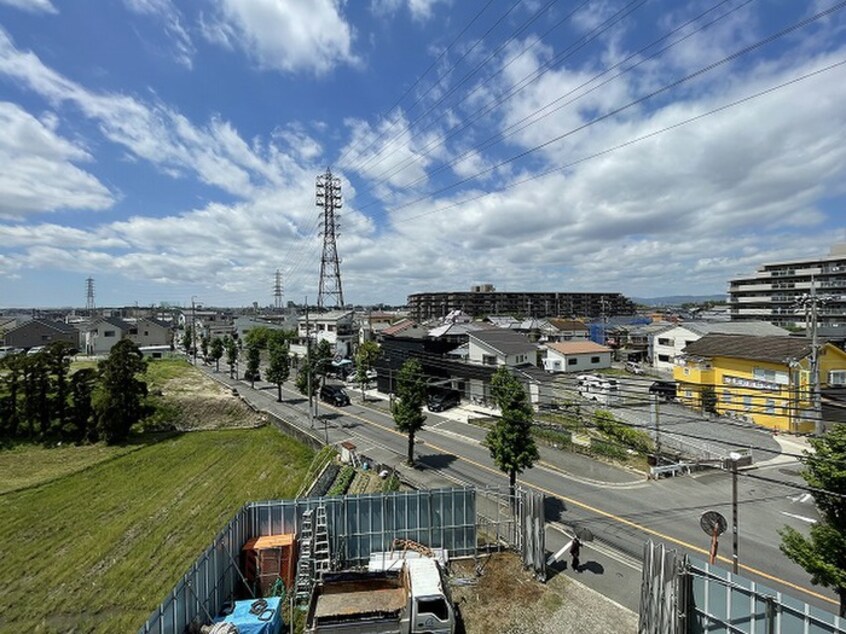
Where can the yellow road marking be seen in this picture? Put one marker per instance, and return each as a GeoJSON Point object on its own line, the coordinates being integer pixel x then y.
{"type": "Point", "coordinates": [598, 511]}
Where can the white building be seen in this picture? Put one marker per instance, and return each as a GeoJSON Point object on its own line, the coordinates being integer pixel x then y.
{"type": "Point", "coordinates": [576, 356]}
{"type": "Point", "coordinates": [501, 347]}
{"type": "Point", "coordinates": [336, 327]}
{"type": "Point", "coordinates": [97, 336]}
{"type": "Point", "coordinates": [668, 343]}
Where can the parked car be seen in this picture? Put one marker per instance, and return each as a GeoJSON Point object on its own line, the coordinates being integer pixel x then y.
{"type": "Point", "coordinates": [335, 395]}
{"type": "Point", "coordinates": [664, 389]}
{"type": "Point", "coordinates": [443, 400]}
{"type": "Point", "coordinates": [634, 368]}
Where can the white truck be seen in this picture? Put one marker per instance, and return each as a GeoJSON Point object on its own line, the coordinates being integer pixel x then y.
{"type": "Point", "coordinates": [408, 600]}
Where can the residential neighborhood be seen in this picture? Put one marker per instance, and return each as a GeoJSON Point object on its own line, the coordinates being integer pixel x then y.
{"type": "Point", "coordinates": [423, 317]}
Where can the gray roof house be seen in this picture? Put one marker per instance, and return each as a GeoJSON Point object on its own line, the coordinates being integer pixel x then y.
{"type": "Point", "coordinates": [40, 332]}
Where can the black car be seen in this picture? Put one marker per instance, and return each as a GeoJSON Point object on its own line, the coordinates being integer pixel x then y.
{"type": "Point", "coordinates": [443, 400]}
{"type": "Point", "coordinates": [334, 394]}
{"type": "Point", "coordinates": [664, 389]}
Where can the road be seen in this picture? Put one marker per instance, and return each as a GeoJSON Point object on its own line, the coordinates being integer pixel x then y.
{"type": "Point", "coordinates": [619, 507]}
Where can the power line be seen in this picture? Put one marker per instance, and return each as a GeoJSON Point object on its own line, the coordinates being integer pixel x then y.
{"type": "Point", "coordinates": [611, 113]}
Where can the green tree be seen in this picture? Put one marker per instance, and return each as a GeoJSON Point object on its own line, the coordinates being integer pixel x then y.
{"type": "Point", "coordinates": [411, 397]}
{"type": "Point", "coordinates": [279, 368]}
{"type": "Point", "coordinates": [708, 398]}
{"type": "Point", "coordinates": [12, 379]}
{"type": "Point", "coordinates": [80, 425]}
{"type": "Point", "coordinates": [510, 441]}
{"type": "Point", "coordinates": [57, 358]}
{"type": "Point", "coordinates": [36, 393]}
{"type": "Point", "coordinates": [119, 397]}
{"type": "Point", "coordinates": [231, 355]}
{"type": "Point", "coordinates": [188, 339]}
{"type": "Point", "coordinates": [258, 336]}
{"type": "Point", "coordinates": [305, 373]}
{"type": "Point", "coordinates": [823, 553]}
{"type": "Point", "coordinates": [204, 347]}
{"type": "Point", "coordinates": [365, 359]}
{"type": "Point", "coordinates": [217, 352]}
{"type": "Point", "coordinates": [251, 374]}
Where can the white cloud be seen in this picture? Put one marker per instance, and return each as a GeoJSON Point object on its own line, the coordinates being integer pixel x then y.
{"type": "Point", "coordinates": [156, 132]}
{"type": "Point", "coordinates": [285, 35]}
{"type": "Point", "coordinates": [38, 173]}
{"type": "Point", "coordinates": [421, 10]}
{"type": "Point", "coordinates": [32, 6]}
{"type": "Point", "coordinates": [166, 11]}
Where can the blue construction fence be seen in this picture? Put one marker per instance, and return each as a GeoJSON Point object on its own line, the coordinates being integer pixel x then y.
{"type": "Point", "coordinates": [358, 525]}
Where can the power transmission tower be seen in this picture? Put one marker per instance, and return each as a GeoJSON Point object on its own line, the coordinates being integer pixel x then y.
{"type": "Point", "coordinates": [89, 294]}
{"type": "Point", "coordinates": [329, 198]}
{"type": "Point", "coordinates": [277, 290]}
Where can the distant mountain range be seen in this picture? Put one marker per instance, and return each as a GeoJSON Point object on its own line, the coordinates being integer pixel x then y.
{"type": "Point", "coordinates": [677, 300]}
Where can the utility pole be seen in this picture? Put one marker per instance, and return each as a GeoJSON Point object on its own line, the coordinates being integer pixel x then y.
{"type": "Point", "coordinates": [735, 558]}
{"type": "Point", "coordinates": [814, 301]}
{"type": "Point", "coordinates": [329, 198]}
{"type": "Point", "coordinates": [656, 415]}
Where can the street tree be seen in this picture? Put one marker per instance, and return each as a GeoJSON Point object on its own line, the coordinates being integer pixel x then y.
{"type": "Point", "coordinates": [251, 374]}
{"type": "Point", "coordinates": [823, 552]}
{"type": "Point", "coordinates": [365, 359]}
{"type": "Point", "coordinates": [279, 367]}
{"type": "Point", "coordinates": [57, 359]}
{"type": "Point", "coordinates": [188, 339]}
{"type": "Point", "coordinates": [119, 397]}
{"type": "Point", "coordinates": [231, 355]}
{"type": "Point", "coordinates": [305, 374]}
{"type": "Point", "coordinates": [217, 352]}
{"type": "Point", "coordinates": [510, 441]}
{"type": "Point", "coordinates": [204, 347]}
{"type": "Point", "coordinates": [411, 397]}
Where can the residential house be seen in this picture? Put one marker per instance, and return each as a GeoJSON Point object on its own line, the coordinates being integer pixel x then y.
{"type": "Point", "coordinates": [97, 336]}
{"type": "Point", "coordinates": [576, 356]}
{"type": "Point", "coordinates": [336, 327]}
{"type": "Point", "coordinates": [766, 379]}
{"type": "Point", "coordinates": [494, 348]}
{"type": "Point", "coordinates": [668, 343]}
{"type": "Point", "coordinates": [567, 330]}
{"type": "Point", "coordinates": [244, 323]}
{"type": "Point", "coordinates": [40, 332]}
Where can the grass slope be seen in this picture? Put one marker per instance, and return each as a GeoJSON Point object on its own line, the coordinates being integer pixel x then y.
{"type": "Point", "coordinates": [98, 549]}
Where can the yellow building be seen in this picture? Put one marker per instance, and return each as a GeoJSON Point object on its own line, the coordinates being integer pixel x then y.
{"type": "Point", "coordinates": [764, 379]}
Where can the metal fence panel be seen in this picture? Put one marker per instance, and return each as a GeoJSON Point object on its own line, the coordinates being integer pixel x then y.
{"type": "Point", "coordinates": [723, 603]}
{"type": "Point", "coordinates": [358, 525]}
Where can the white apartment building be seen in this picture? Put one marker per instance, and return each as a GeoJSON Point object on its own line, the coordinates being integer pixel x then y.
{"type": "Point", "coordinates": [772, 293]}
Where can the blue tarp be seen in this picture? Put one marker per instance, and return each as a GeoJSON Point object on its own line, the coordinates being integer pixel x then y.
{"type": "Point", "coordinates": [250, 623]}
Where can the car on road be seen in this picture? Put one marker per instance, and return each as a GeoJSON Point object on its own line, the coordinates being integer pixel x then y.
{"type": "Point", "coordinates": [634, 368]}
{"type": "Point", "coordinates": [664, 389]}
{"type": "Point", "coordinates": [443, 400]}
{"type": "Point", "coordinates": [334, 395]}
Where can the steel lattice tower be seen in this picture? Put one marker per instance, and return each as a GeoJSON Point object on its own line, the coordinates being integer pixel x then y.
{"type": "Point", "coordinates": [329, 198]}
{"type": "Point", "coordinates": [277, 290]}
{"type": "Point", "coordinates": [89, 293]}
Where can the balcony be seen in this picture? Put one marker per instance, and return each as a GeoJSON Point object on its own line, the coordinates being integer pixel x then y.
{"type": "Point", "coordinates": [758, 299]}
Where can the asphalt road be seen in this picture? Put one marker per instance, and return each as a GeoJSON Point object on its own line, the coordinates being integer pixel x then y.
{"type": "Point", "coordinates": [620, 508]}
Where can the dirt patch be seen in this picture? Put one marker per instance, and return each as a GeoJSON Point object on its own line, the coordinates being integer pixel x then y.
{"type": "Point", "coordinates": [508, 600]}
{"type": "Point", "coordinates": [194, 402]}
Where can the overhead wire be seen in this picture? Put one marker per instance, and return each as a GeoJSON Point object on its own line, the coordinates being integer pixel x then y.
{"type": "Point", "coordinates": [620, 109]}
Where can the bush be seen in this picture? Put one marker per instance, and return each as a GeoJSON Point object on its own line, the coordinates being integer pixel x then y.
{"type": "Point", "coordinates": [623, 434]}
{"type": "Point", "coordinates": [561, 438]}
{"type": "Point", "coordinates": [605, 448]}
{"type": "Point", "coordinates": [391, 484]}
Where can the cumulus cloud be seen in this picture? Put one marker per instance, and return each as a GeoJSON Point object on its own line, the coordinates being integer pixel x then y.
{"type": "Point", "coordinates": [285, 35]}
{"type": "Point", "coordinates": [156, 132]}
{"type": "Point", "coordinates": [38, 172]}
{"type": "Point", "coordinates": [32, 6]}
{"type": "Point", "coordinates": [420, 10]}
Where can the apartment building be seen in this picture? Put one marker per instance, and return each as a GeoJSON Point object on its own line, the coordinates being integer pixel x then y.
{"type": "Point", "coordinates": [773, 292]}
{"type": "Point", "coordinates": [482, 301]}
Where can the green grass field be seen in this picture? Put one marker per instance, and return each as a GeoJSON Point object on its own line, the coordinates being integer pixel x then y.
{"type": "Point", "coordinates": [96, 550]}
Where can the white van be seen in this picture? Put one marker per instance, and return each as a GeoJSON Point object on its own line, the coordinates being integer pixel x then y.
{"type": "Point", "coordinates": [605, 390]}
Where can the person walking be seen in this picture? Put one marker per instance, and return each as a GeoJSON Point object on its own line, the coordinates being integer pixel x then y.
{"type": "Point", "coordinates": [575, 551]}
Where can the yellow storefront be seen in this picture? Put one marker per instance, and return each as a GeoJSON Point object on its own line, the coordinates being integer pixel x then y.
{"type": "Point", "coordinates": [763, 379]}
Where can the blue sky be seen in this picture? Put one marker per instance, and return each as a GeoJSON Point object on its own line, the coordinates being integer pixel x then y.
{"type": "Point", "coordinates": [169, 150]}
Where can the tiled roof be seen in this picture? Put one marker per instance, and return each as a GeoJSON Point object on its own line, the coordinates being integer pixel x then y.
{"type": "Point", "coordinates": [400, 326]}
{"type": "Point", "coordinates": [504, 341]}
{"type": "Point", "coordinates": [772, 349]}
{"type": "Point", "coordinates": [577, 347]}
